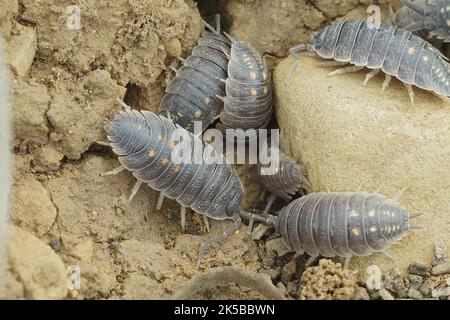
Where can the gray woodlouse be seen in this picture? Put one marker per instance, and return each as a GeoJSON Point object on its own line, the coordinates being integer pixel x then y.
{"type": "Point", "coordinates": [431, 16]}
{"type": "Point", "coordinates": [193, 95]}
{"type": "Point", "coordinates": [288, 180]}
{"type": "Point", "coordinates": [395, 51]}
{"type": "Point", "coordinates": [341, 224]}
{"type": "Point", "coordinates": [145, 145]}
{"type": "Point", "coordinates": [249, 98]}
{"type": "Point", "coordinates": [405, 17]}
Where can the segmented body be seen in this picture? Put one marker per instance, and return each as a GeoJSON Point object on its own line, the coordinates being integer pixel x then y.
{"type": "Point", "coordinates": [248, 103]}
{"type": "Point", "coordinates": [395, 51]}
{"type": "Point", "coordinates": [286, 181]}
{"type": "Point", "coordinates": [193, 95]}
{"type": "Point", "coordinates": [146, 144]}
{"type": "Point", "coordinates": [430, 16]}
{"type": "Point", "coordinates": [342, 223]}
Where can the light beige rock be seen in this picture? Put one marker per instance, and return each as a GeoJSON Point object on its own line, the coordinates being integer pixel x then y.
{"type": "Point", "coordinates": [354, 137]}
{"type": "Point", "coordinates": [36, 266]}
{"type": "Point", "coordinates": [21, 50]}
{"type": "Point", "coordinates": [33, 209]}
{"type": "Point", "coordinates": [30, 104]}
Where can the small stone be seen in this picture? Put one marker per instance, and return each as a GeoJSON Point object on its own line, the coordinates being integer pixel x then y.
{"type": "Point", "coordinates": [274, 274]}
{"type": "Point", "coordinates": [288, 272]}
{"type": "Point", "coordinates": [292, 289]}
{"type": "Point", "coordinates": [385, 295]}
{"type": "Point", "coordinates": [277, 245]}
{"type": "Point", "coordinates": [440, 252]}
{"type": "Point", "coordinates": [22, 49]}
{"type": "Point", "coordinates": [414, 294]}
{"type": "Point", "coordinates": [47, 159]}
{"type": "Point", "coordinates": [259, 231]}
{"type": "Point", "coordinates": [418, 269]}
{"type": "Point", "coordinates": [441, 269]}
{"type": "Point", "coordinates": [415, 281]}
{"type": "Point", "coordinates": [173, 47]}
{"type": "Point", "coordinates": [361, 294]}
{"type": "Point", "coordinates": [426, 288]}
{"type": "Point", "coordinates": [440, 292]}
{"type": "Point", "coordinates": [394, 282]}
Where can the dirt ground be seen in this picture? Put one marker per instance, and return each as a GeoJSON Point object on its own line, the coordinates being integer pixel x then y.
{"type": "Point", "coordinates": [64, 85]}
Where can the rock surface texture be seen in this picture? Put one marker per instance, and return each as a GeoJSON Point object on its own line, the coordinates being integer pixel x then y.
{"type": "Point", "coordinates": [355, 137]}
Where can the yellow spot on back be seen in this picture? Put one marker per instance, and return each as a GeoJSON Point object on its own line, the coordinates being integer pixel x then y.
{"type": "Point", "coordinates": [254, 92]}
{"type": "Point", "coordinates": [266, 90]}
{"type": "Point", "coordinates": [206, 100]}
{"type": "Point", "coordinates": [253, 75]}
{"type": "Point", "coordinates": [356, 232]}
{"type": "Point", "coordinates": [425, 58]}
{"type": "Point", "coordinates": [197, 114]}
{"type": "Point", "coordinates": [411, 50]}
{"type": "Point", "coordinates": [172, 144]}
{"type": "Point", "coordinates": [371, 213]}
{"type": "Point", "coordinates": [373, 229]}
{"type": "Point", "coordinates": [165, 162]}
{"type": "Point", "coordinates": [160, 137]}
{"type": "Point", "coordinates": [151, 153]}
{"type": "Point", "coordinates": [177, 168]}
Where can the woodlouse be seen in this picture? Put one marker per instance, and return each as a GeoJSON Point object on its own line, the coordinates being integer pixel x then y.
{"type": "Point", "coordinates": [430, 16]}
{"type": "Point", "coordinates": [341, 224]}
{"type": "Point", "coordinates": [146, 144]}
{"type": "Point", "coordinates": [286, 181]}
{"type": "Point", "coordinates": [193, 95]}
{"type": "Point", "coordinates": [395, 51]}
{"type": "Point", "coordinates": [249, 98]}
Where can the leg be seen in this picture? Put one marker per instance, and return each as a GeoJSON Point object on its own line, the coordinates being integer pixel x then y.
{"type": "Point", "coordinates": [183, 218]}
{"type": "Point", "coordinates": [160, 201]}
{"type": "Point", "coordinates": [332, 63]}
{"type": "Point", "coordinates": [389, 255]}
{"type": "Point", "coordinates": [103, 143]}
{"type": "Point", "coordinates": [345, 70]}
{"type": "Point", "coordinates": [370, 75]}
{"type": "Point", "coordinates": [206, 222]}
{"type": "Point", "coordinates": [386, 82]}
{"type": "Point", "coordinates": [347, 262]}
{"type": "Point", "coordinates": [270, 202]}
{"type": "Point", "coordinates": [227, 232]}
{"type": "Point", "coordinates": [113, 172]}
{"type": "Point", "coordinates": [410, 92]}
{"type": "Point", "coordinates": [135, 190]}
{"type": "Point", "coordinates": [311, 260]}
{"type": "Point", "coordinates": [123, 104]}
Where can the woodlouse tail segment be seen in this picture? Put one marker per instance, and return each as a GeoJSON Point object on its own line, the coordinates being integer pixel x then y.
{"type": "Point", "coordinates": [226, 233]}
{"type": "Point", "coordinates": [415, 6]}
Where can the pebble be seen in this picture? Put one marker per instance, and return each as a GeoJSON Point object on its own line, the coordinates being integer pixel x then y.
{"type": "Point", "coordinates": [259, 231]}
{"type": "Point", "coordinates": [415, 281]}
{"type": "Point", "coordinates": [440, 252]}
{"type": "Point", "coordinates": [361, 294]}
{"type": "Point", "coordinates": [443, 268]}
{"type": "Point", "coordinates": [418, 269]}
{"type": "Point", "coordinates": [277, 245]}
{"type": "Point", "coordinates": [274, 274]}
{"type": "Point", "coordinates": [414, 294]}
{"type": "Point", "coordinates": [288, 272]}
{"type": "Point", "coordinates": [440, 292]}
{"type": "Point", "coordinates": [394, 282]}
{"type": "Point", "coordinates": [173, 47]}
{"type": "Point", "coordinates": [426, 288]}
{"type": "Point", "coordinates": [385, 295]}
